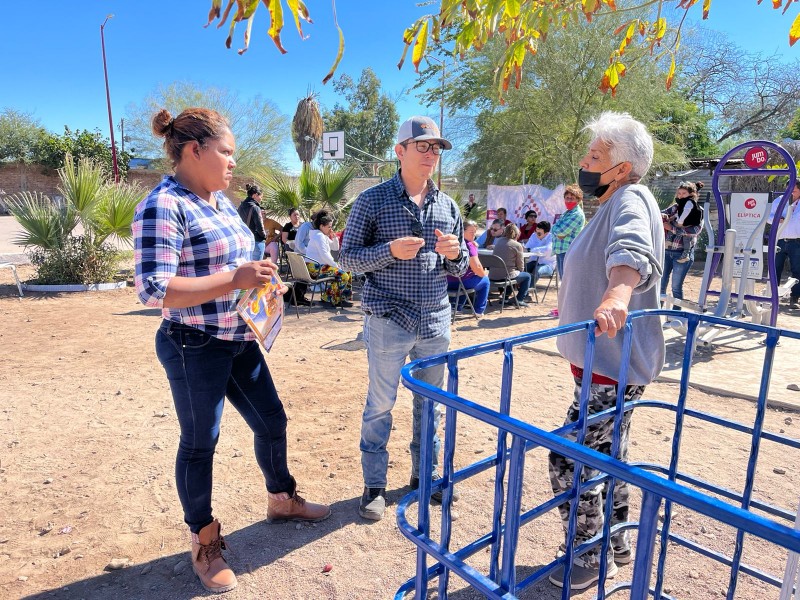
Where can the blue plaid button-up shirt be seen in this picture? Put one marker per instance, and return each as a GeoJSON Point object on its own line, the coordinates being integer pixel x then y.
{"type": "Point", "coordinates": [412, 293]}
{"type": "Point", "coordinates": [177, 233]}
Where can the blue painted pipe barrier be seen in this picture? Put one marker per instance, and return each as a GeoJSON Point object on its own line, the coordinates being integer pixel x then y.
{"type": "Point", "coordinates": [659, 484]}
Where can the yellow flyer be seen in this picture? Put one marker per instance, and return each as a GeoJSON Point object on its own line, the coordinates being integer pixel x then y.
{"type": "Point", "coordinates": [262, 310]}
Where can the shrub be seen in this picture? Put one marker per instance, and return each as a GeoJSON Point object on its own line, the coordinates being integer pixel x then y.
{"type": "Point", "coordinates": [76, 260]}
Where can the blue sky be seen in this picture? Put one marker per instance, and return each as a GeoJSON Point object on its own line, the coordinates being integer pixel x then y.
{"type": "Point", "coordinates": [56, 72]}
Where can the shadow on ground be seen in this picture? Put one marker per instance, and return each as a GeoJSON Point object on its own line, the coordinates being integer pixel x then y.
{"type": "Point", "coordinates": [251, 548]}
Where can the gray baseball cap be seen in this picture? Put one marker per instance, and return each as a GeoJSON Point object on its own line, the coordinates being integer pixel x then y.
{"type": "Point", "coordinates": [421, 129]}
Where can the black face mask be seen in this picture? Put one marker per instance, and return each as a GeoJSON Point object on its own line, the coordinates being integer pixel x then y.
{"type": "Point", "coordinates": [589, 182]}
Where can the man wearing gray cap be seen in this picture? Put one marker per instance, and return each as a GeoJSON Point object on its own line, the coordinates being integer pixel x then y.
{"type": "Point", "coordinates": [406, 236]}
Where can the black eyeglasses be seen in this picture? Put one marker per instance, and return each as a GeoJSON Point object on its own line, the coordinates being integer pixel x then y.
{"type": "Point", "coordinates": [416, 226]}
{"type": "Point", "coordinates": [424, 147]}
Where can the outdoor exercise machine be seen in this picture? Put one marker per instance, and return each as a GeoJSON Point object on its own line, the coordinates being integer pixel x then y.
{"type": "Point", "coordinates": [490, 563]}
{"type": "Point", "coordinates": [736, 250]}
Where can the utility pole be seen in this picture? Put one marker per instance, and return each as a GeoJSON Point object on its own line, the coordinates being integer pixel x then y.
{"type": "Point", "coordinates": [108, 101]}
{"type": "Point", "coordinates": [441, 112]}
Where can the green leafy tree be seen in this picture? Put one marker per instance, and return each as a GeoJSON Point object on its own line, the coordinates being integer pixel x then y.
{"type": "Point", "coordinates": [69, 242]}
{"type": "Point", "coordinates": [260, 129]}
{"type": "Point", "coordinates": [20, 134]}
{"type": "Point", "coordinates": [52, 150]}
{"type": "Point", "coordinates": [523, 25]}
{"type": "Point", "coordinates": [369, 118]}
{"type": "Point", "coordinates": [537, 129]}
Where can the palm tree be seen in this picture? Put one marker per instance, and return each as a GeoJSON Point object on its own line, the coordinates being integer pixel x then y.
{"type": "Point", "coordinates": [313, 190]}
{"type": "Point", "coordinates": [103, 210]}
{"type": "Point", "coordinates": [307, 129]}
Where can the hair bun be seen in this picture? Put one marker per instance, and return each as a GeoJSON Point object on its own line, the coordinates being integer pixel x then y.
{"type": "Point", "coordinates": [162, 123]}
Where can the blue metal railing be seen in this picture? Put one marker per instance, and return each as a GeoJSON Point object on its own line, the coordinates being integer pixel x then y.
{"type": "Point", "coordinates": [508, 461]}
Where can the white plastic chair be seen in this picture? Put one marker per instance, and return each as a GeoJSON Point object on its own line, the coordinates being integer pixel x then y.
{"type": "Point", "coordinates": [13, 268]}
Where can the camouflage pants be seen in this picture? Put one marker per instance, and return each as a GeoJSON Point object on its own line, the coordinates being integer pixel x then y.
{"type": "Point", "coordinates": [592, 502]}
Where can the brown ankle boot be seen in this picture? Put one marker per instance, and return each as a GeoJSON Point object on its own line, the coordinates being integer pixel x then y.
{"type": "Point", "coordinates": [283, 507]}
{"type": "Point", "coordinates": [207, 561]}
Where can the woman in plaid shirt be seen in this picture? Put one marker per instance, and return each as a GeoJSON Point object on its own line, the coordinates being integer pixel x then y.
{"type": "Point", "coordinates": [192, 253]}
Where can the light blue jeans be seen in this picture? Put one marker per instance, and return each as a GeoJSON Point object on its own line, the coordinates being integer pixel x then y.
{"type": "Point", "coordinates": [258, 252]}
{"type": "Point", "coordinates": [388, 346]}
{"type": "Point", "coordinates": [679, 271]}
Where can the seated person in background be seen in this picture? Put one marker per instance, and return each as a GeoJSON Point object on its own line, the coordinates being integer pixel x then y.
{"type": "Point", "coordinates": [318, 252]}
{"type": "Point", "coordinates": [495, 230]}
{"type": "Point", "coordinates": [290, 229]}
{"type": "Point", "coordinates": [502, 215]}
{"type": "Point", "coordinates": [543, 261]}
{"type": "Point", "coordinates": [271, 242]}
{"type": "Point", "coordinates": [526, 231]}
{"type": "Point", "coordinates": [510, 250]}
{"type": "Point", "coordinates": [302, 236]}
{"type": "Point", "coordinates": [475, 278]}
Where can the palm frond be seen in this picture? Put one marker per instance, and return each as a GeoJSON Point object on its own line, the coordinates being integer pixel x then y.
{"type": "Point", "coordinates": [332, 183]}
{"type": "Point", "coordinates": [281, 193]}
{"type": "Point", "coordinates": [309, 190]}
{"type": "Point", "coordinates": [116, 211]}
{"type": "Point", "coordinates": [82, 188]}
{"type": "Point", "coordinates": [45, 224]}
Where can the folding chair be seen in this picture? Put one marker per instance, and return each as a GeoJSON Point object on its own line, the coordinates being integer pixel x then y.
{"type": "Point", "coordinates": [299, 271]}
{"type": "Point", "coordinates": [554, 275]}
{"type": "Point", "coordinates": [455, 296]}
{"type": "Point", "coordinates": [290, 285]}
{"type": "Point", "coordinates": [13, 268]}
{"type": "Point", "coordinates": [490, 261]}
{"type": "Point", "coordinates": [283, 263]}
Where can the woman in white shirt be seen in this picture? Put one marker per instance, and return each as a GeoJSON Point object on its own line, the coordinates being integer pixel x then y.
{"type": "Point", "coordinates": [540, 244]}
{"type": "Point", "coordinates": [321, 263]}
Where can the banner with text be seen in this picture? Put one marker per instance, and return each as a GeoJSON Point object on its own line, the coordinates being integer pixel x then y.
{"type": "Point", "coordinates": [519, 199]}
{"type": "Point", "coordinates": [747, 210]}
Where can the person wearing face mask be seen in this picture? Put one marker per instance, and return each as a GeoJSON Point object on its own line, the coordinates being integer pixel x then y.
{"type": "Point", "coordinates": [568, 225]}
{"type": "Point", "coordinates": [682, 224]}
{"type": "Point", "coordinates": [613, 266]}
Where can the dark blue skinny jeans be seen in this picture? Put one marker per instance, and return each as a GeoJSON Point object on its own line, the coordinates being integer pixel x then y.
{"type": "Point", "coordinates": [203, 371]}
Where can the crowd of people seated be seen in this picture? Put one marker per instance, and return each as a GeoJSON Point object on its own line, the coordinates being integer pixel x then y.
{"type": "Point", "coordinates": [319, 259]}
{"type": "Point", "coordinates": [317, 242]}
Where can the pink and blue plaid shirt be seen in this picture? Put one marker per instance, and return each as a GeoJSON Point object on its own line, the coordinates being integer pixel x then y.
{"type": "Point", "coordinates": [176, 233]}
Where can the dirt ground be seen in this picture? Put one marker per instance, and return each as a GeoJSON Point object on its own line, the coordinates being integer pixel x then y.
{"type": "Point", "coordinates": [88, 437]}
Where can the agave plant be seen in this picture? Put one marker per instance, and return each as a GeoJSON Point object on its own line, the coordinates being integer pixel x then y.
{"type": "Point", "coordinates": [102, 210]}
{"type": "Point", "coordinates": [313, 190]}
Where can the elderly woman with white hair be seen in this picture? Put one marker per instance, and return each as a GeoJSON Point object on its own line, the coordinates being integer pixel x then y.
{"type": "Point", "coordinates": [613, 266]}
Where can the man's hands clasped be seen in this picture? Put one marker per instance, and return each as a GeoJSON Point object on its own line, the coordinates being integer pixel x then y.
{"type": "Point", "coordinates": [405, 248]}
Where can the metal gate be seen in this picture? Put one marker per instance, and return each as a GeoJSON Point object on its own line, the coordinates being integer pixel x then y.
{"type": "Point", "coordinates": [660, 484]}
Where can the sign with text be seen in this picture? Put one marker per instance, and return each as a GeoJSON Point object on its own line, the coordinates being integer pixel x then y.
{"type": "Point", "coordinates": [756, 157]}
{"type": "Point", "coordinates": [519, 199]}
{"type": "Point", "coordinates": [747, 212]}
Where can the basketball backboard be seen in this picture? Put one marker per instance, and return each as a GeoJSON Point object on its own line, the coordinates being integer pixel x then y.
{"type": "Point", "coordinates": [333, 145]}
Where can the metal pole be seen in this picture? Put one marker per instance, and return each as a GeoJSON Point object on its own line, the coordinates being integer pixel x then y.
{"type": "Point", "coordinates": [108, 101]}
{"type": "Point", "coordinates": [122, 133]}
{"type": "Point", "coordinates": [441, 125]}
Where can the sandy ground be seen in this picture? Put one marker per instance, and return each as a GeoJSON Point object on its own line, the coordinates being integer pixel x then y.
{"type": "Point", "coordinates": [88, 437]}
